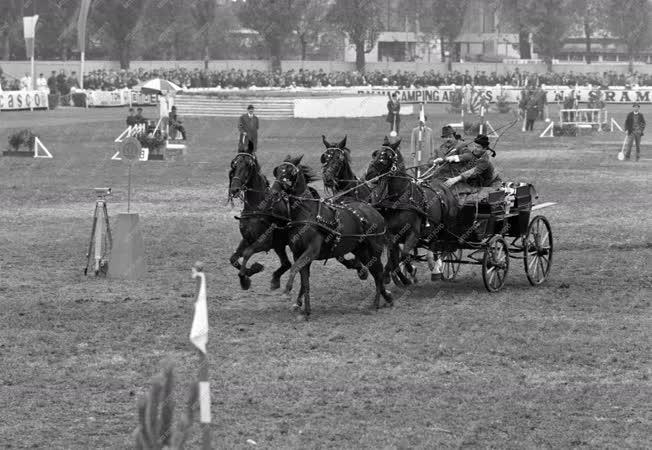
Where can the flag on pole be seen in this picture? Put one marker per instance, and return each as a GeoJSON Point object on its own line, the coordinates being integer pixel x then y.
{"type": "Point", "coordinates": [422, 114]}
{"type": "Point", "coordinates": [29, 29]}
{"type": "Point", "coordinates": [81, 24]}
{"type": "Point", "coordinates": [199, 330]}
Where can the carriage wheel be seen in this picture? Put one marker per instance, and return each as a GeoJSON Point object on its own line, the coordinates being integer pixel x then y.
{"type": "Point", "coordinates": [537, 250]}
{"type": "Point", "coordinates": [495, 263]}
{"type": "Point", "coordinates": [451, 264]}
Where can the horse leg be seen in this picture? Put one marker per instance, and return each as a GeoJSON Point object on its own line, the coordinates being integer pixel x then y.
{"type": "Point", "coordinates": [355, 263]}
{"type": "Point", "coordinates": [305, 287]}
{"type": "Point", "coordinates": [237, 254]}
{"type": "Point", "coordinates": [245, 273]}
{"type": "Point", "coordinates": [410, 244]}
{"type": "Point", "coordinates": [397, 275]}
{"type": "Point", "coordinates": [285, 266]}
{"type": "Point", "coordinates": [309, 254]}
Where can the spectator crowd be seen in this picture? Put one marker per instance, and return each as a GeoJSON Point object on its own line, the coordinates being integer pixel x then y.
{"type": "Point", "coordinates": [62, 83]}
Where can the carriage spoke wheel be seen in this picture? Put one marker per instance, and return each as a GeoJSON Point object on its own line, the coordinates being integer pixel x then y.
{"type": "Point", "coordinates": [537, 250]}
{"type": "Point", "coordinates": [451, 264]}
{"type": "Point", "coordinates": [495, 263]}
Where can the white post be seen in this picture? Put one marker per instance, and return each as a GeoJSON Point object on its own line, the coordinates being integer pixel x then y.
{"type": "Point", "coordinates": [81, 76]}
{"type": "Point", "coordinates": [32, 65]}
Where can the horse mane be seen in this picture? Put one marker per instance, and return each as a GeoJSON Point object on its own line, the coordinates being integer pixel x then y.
{"type": "Point", "coordinates": [308, 172]}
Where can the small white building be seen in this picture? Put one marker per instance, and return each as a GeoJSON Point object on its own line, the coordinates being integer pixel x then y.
{"type": "Point", "coordinates": [398, 46]}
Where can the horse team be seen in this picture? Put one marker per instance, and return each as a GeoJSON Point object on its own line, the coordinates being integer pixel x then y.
{"type": "Point", "coordinates": [387, 208]}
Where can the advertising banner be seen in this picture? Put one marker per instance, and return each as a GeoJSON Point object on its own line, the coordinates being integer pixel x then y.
{"type": "Point", "coordinates": [16, 100]}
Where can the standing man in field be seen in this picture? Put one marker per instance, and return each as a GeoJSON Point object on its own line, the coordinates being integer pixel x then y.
{"type": "Point", "coordinates": [393, 114]}
{"type": "Point", "coordinates": [248, 128]}
{"type": "Point", "coordinates": [634, 127]}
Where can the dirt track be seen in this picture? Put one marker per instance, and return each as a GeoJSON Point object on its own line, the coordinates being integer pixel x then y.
{"type": "Point", "coordinates": [563, 365]}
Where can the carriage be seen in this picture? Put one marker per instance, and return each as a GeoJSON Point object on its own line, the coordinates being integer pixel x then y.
{"type": "Point", "coordinates": [494, 231]}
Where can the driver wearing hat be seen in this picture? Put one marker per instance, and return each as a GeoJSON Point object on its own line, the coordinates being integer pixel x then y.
{"type": "Point", "coordinates": [453, 143]}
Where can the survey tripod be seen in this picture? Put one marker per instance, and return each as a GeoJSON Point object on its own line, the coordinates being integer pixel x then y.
{"type": "Point", "coordinates": [99, 247]}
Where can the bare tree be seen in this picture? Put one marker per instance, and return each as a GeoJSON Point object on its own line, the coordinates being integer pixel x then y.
{"type": "Point", "coordinates": [119, 21]}
{"type": "Point", "coordinates": [310, 23]}
{"type": "Point", "coordinates": [274, 20]}
{"type": "Point", "coordinates": [630, 21]}
{"type": "Point", "coordinates": [591, 15]}
{"type": "Point", "coordinates": [360, 20]}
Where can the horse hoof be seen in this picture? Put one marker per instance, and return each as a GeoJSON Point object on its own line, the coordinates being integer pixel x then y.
{"type": "Point", "coordinates": [245, 282]}
{"type": "Point", "coordinates": [255, 268]}
{"type": "Point", "coordinates": [363, 273]}
{"type": "Point", "coordinates": [275, 284]}
{"type": "Point", "coordinates": [397, 280]}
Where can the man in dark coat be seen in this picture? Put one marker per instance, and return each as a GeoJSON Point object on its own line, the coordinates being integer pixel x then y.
{"type": "Point", "coordinates": [634, 127]}
{"type": "Point", "coordinates": [175, 123]}
{"type": "Point", "coordinates": [248, 128]}
{"type": "Point", "coordinates": [393, 113]}
{"type": "Point", "coordinates": [52, 83]}
{"type": "Point", "coordinates": [131, 118]}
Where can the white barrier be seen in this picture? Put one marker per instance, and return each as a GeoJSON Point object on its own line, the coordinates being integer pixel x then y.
{"type": "Point", "coordinates": [317, 108]}
{"type": "Point", "coordinates": [120, 97]}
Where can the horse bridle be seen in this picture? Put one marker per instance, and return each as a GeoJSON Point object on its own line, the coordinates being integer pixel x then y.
{"type": "Point", "coordinates": [340, 151]}
{"type": "Point", "coordinates": [253, 158]}
{"type": "Point", "coordinates": [394, 157]}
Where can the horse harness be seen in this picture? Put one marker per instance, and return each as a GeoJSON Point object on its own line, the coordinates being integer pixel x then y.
{"type": "Point", "coordinates": [334, 227]}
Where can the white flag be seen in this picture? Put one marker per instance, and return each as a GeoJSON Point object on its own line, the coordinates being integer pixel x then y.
{"type": "Point", "coordinates": [199, 330]}
{"type": "Point", "coordinates": [29, 29]}
{"type": "Point", "coordinates": [422, 114]}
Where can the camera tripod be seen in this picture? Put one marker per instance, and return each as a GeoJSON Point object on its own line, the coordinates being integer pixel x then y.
{"type": "Point", "coordinates": [101, 242]}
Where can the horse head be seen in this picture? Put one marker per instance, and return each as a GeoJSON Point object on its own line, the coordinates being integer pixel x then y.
{"type": "Point", "coordinates": [292, 177]}
{"type": "Point", "coordinates": [243, 166]}
{"type": "Point", "coordinates": [386, 159]}
{"type": "Point", "coordinates": [333, 160]}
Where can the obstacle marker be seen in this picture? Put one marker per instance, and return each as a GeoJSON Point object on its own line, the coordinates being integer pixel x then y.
{"type": "Point", "coordinates": [144, 154]}
{"type": "Point", "coordinates": [493, 133]}
{"type": "Point", "coordinates": [549, 131]}
{"type": "Point", "coordinates": [616, 125]}
{"type": "Point", "coordinates": [39, 145]}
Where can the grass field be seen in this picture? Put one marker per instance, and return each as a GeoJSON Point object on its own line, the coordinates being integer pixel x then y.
{"type": "Point", "coordinates": [563, 365]}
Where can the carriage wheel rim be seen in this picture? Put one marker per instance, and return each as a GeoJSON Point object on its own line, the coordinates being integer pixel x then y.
{"type": "Point", "coordinates": [451, 267]}
{"type": "Point", "coordinates": [538, 250]}
{"type": "Point", "coordinates": [495, 265]}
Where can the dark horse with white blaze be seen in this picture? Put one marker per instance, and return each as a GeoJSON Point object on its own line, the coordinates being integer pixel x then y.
{"type": "Point", "coordinates": [337, 173]}
{"type": "Point", "coordinates": [414, 212]}
{"type": "Point", "coordinates": [320, 230]}
{"type": "Point", "coordinates": [261, 229]}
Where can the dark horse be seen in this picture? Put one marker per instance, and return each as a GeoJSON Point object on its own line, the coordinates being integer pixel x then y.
{"type": "Point", "coordinates": [337, 173]}
{"type": "Point", "coordinates": [261, 229]}
{"type": "Point", "coordinates": [320, 230]}
{"type": "Point", "coordinates": [414, 212]}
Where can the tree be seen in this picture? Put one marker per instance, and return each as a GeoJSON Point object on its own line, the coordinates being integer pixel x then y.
{"type": "Point", "coordinates": [11, 13]}
{"type": "Point", "coordinates": [360, 20]}
{"type": "Point", "coordinates": [56, 29]}
{"type": "Point", "coordinates": [629, 20]}
{"type": "Point", "coordinates": [549, 26]}
{"type": "Point", "coordinates": [591, 15]}
{"type": "Point", "coordinates": [447, 18]}
{"type": "Point", "coordinates": [118, 21]}
{"type": "Point", "coordinates": [516, 13]}
{"type": "Point", "coordinates": [203, 12]}
{"type": "Point", "coordinates": [168, 30]}
{"type": "Point", "coordinates": [274, 20]}
{"type": "Point", "coordinates": [312, 14]}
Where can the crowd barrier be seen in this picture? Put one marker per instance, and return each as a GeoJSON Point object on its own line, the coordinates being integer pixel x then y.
{"type": "Point", "coordinates": [23, 100]}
